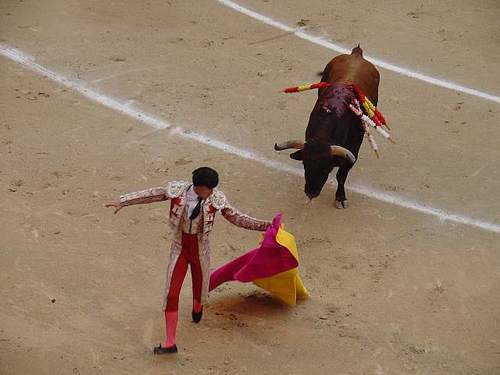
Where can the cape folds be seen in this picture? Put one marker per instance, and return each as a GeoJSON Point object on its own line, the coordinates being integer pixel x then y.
{"type": "Point", "coordinates": [273, 266]}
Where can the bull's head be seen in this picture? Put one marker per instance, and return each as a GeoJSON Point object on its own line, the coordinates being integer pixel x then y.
{"type": "Point", "coordinates": [318, 161]}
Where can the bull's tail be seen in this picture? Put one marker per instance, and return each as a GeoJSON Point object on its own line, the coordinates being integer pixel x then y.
{"type": "Point", "coordinates": [357, 51]}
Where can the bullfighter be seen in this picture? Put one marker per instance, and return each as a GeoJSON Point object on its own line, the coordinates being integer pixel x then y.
{"type": "Point", "coordinates": [193, 207]}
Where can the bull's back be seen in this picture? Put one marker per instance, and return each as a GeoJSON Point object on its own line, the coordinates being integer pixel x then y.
{"type": "Point", "coordinates": [348, 69]}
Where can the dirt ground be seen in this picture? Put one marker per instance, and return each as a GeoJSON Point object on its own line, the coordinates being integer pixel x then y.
{"type": "Point", "coordinates": [393, 291]}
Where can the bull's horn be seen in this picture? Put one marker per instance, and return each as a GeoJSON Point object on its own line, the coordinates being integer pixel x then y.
{"type": "Point", "coordinates": [299, 145]}
{"type": "Point", "coordinates": [343, 152]}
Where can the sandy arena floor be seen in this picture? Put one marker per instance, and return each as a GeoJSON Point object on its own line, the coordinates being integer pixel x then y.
{"type": "Point", "coordinates": [393, 290]}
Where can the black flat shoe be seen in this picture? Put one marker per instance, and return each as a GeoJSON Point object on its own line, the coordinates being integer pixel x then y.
{"type": "Point", "coordinates": [159, 350]}
{"type": "Point", "coordinates": [197, 315]}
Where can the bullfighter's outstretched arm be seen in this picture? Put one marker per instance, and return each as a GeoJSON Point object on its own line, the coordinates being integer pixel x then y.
{"type": "Point", "coordinates": [156, 194]}
{"type": "Point", "coordinates": [241, 220]}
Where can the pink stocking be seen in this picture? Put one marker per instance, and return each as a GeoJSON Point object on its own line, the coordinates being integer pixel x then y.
{"type": "Point", "coordinates": [196, 306]}
{"type": "Point", "coordinates": [171, 318]}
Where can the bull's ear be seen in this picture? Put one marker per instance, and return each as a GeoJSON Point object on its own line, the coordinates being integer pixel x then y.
{"type": "Point", "coordinates": [297, 155]}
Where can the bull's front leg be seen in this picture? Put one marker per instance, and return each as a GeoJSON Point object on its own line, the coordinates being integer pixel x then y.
{"type": "Point", "coordinates": [354, 140]}
{"type": "Point", "coordinates": [340, 196]}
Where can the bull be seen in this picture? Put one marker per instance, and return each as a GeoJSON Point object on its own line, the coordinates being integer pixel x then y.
{"type": "Point", "coordinates": [334, 134]}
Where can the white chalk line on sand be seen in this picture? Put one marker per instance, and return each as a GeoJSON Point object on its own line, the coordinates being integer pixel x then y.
{"type": "Point", "coordinates": [323, 42]}
{"type": "Point", "coordinates": [157, 123]}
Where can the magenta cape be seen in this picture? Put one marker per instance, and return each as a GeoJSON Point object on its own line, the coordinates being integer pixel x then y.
{"type": "Point", "coordinates": [272, 266]}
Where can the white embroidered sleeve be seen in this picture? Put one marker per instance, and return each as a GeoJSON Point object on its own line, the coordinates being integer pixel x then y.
{"type": "Point", "coordinates": [241, 220]}
{"type": "Point", "coordinates": [156, 194]}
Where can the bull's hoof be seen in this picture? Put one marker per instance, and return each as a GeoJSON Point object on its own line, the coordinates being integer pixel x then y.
{"type": "Point", "coordinates": [341, 204]}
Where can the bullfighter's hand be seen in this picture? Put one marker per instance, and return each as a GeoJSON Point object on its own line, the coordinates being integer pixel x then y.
{"type": "Point", "coordinates": [117, 205]}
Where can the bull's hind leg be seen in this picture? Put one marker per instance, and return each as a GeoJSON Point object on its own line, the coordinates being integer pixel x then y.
{"type": "Point", "coordinates": [340, 197]}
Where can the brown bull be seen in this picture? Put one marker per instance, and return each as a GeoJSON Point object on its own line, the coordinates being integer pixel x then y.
{"type": "Point", "coordinates": [334, 134]}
